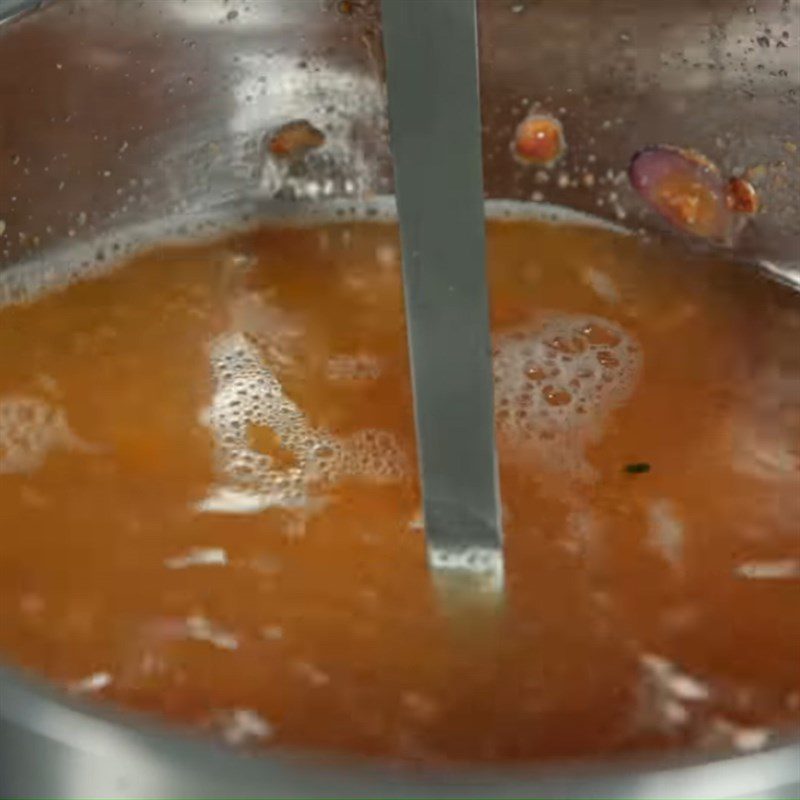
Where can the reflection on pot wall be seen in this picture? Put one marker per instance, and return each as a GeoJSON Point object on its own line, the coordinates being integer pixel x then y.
{"type": "Point", "coordinates": [719, 77]}
{"type": "Point", "coordinates": [121, 112]}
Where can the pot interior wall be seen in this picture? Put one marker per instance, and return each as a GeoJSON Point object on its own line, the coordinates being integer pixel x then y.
{"type": "Point", "coordinates": [121, 113]}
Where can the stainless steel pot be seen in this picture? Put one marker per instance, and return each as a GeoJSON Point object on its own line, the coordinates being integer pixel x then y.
{"type": "Point", "coordinates": [126, 120]}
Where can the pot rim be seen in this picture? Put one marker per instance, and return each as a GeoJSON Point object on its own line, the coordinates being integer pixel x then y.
{"type": "Point", "coordinates": [110, 733]}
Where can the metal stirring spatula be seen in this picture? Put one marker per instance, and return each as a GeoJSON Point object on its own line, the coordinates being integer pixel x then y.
{"type": "Point", "coordinates": [434, 114]}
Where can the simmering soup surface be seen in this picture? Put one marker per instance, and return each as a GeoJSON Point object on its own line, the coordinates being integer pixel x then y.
{"type": "Point", "coordinates": [210, 508]}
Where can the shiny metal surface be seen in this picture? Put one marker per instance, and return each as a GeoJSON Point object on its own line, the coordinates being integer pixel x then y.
{"type": "Point", "coordinates": [122, 114]}
{"type": "Point", "coordinates": [128, 110]}
{"type": "Point", "coordinates": [51, 747]}
{"type": "Point", "coordinates": [434, 115]}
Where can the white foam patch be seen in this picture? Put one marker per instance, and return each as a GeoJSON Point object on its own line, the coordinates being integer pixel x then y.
{"type": "Point", "coordinates": [353, 367]}
{"type": "Point", "coordinates": [223, 500]}
{"type": "Point", "coordinates": [557, 381]}
{"type": "Point", "coordinates": [198, 556]}
{"type": "Point", "coordinates": [272, 633]}
{"type": "Point", "coordinates": [311, 673]}
{"type": "Point", "coordinates": [722, 732]}
{"type": "Point", "coordinates": [277, 332]}
{"type": "Point", "coordinates": [665, 530]}
{"type": "Point", "coordinates": [677, 683]}
{"type": "Point", "coordinates": [775, 570]}
{"type": "Point", "coordinates": [239, 726]}
{"type": "Point", "coordinates": [201, 629]}
{"type": "Point", "coordinates": [672, 701]}
{"type": "Point", "coordinates": [602, 284]}
{"type": "Point", "coordinates": [95, 682]}
{"type": "Point", "coordinates": [581, 531]}
{"type": "Point", "coordinates": [762, 449]}
{"type": "Point", "coordinates": [247, 394]}
{"type": "Point", "coordinates": [668, 698]}
{"type": "Point", "coordinates": [30, 428]}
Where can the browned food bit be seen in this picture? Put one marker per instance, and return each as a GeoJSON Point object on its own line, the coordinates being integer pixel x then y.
{"type": "Point", "coordinates": [539, 140]}
{"type": "Point", "coordinates": [741, 196]}
{"type": "Point", "coordinates": [687, 189]}
{"type": "Point", "coordinates": [295, 139]}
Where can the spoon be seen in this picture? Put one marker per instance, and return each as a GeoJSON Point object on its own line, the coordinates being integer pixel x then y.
{"type": "Point", "coordinates": [435, 126]}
